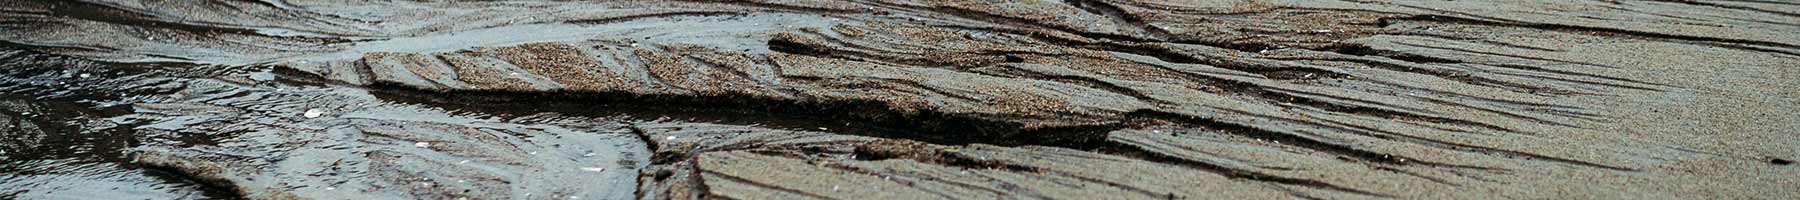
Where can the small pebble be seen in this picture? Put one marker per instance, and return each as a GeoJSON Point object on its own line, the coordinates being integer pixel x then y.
{"type": "Point", "coordinates": [313, 113]}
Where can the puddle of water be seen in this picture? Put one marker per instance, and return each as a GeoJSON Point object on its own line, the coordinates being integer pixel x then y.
{"type": "Point", "coordinates": [52, 149]}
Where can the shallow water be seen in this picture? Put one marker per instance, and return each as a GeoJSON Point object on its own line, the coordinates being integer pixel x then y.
{"type": "Point", "coordinates": [53, 149]}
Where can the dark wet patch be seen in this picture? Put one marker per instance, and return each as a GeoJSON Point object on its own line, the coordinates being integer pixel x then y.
{"type": "Point", "coordinates": [56, 138]}
{"type": "Point", "coordinates": [48, 140]}
{"type": "Point", "coordinates": [863, 118]}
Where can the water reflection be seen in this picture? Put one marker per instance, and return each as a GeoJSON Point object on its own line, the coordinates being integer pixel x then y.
{"type": "Point", "coordinates": [55, 149]}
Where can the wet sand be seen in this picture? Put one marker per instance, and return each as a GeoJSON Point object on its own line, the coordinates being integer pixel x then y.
{"type": "Point", "coordinates": [800, 99]}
